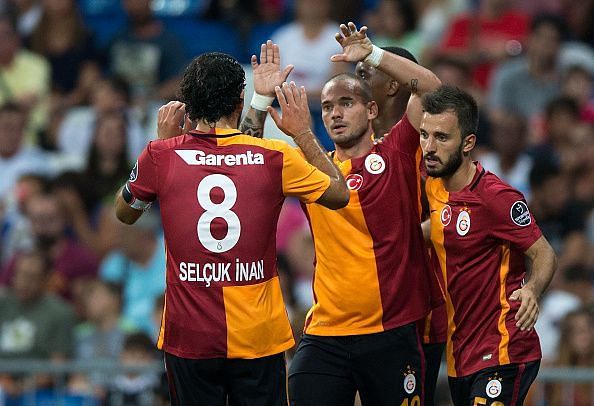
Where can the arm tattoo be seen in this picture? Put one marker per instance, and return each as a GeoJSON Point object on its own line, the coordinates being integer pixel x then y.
{"type": "Point", "coordinates": [253, 123]}
{"type": "Point", "coordinates": [414, 85]}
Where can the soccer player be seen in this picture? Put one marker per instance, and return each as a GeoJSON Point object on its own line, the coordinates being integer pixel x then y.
{"type": "Point", "coordinates": [482, 230]}
{"type": "Point", "coordinates": [224, 327]}
{"type": "Point", "coordinates": [392, 100]}
{"type": "Point", "coordinates": [371, 283]}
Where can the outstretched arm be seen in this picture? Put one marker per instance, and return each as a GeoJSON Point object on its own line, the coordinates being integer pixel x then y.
{"type": "Point", "coordinates": [267, 75]}
{"type": "Point", "coordinates": [296, 123]}
{"type": "Point", "coordinates": [357, 47]}
{"type": "Point", "coordinates": [544, 264]}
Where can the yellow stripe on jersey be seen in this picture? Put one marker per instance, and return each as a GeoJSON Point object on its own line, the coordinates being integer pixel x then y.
{"type": "Point", "coordinates": [344, 230]}
{"type": "Point", "coordinates": [261, 328]}
{"type": "Point", "coordinates": [161, 337]}
{"type": "Point", "coordinates": [503, 272]}
{"type": "Point", "coordinates": [299, 178]}
{"type": "Point", "coordinates": [440, 198]}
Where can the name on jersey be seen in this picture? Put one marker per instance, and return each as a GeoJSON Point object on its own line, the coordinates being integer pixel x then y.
{"type": "Point", "coordinates": [197, 157]}
{"type": "Point", "coordinates": [221, 271]}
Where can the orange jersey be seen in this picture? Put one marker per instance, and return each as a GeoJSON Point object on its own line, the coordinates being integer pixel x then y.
{"type": "Point", "coordinates": [371, 268]}
{"type": "Point", "coordinates": [220, 196]}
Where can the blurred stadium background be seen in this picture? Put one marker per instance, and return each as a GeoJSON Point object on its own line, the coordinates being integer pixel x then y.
{"type": "Point", "coordinates": [80, 85]}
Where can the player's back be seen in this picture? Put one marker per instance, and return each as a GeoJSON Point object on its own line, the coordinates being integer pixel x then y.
{"type": "Point", "coordinates": [220, 196]}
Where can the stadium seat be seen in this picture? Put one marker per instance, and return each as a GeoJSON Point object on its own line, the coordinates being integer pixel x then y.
{"type": "Point", "coordinates": [178, 8]}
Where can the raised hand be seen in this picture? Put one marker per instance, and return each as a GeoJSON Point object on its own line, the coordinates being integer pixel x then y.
{"type": "Point", "coordinates": [296, 118]}
{"type": "Point", "coordinates": [169, 119]}
{"type": "Point", "coordinates": [355, 43]}
{"type": "Point", "coordinates": [268, 73]}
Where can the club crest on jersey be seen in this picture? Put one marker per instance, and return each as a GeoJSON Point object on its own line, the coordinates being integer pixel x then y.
{"type": "Point", "coordinates": [520, 214]}
{"type": "Point", "coordinates": [134, 172]}
{"type": "Point", "coordinates": [446, 215]}
{"type": "Point", "coordinates": [410, 381]}
{"type": "Point", "coordinates": [463, 222]}
{"type": "Point", "coordinates": [494, 386]}
{"type": "Point", "coordinates": [354, 181]}
{"type": "Point", "coordinates": [375, 164]}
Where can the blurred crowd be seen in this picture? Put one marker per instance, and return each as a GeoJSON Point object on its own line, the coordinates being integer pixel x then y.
{"type": "Point", "coordinates": [80, 85]}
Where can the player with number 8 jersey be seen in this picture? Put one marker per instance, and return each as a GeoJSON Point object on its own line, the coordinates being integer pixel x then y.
{"type": "Point", "coordinates": [220, 193]}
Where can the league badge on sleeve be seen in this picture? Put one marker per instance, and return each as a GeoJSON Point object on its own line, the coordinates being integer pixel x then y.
{"type": "Point", "coordinates": [134, 173]}
{"type": "Point", "coordinates": [520, 214]}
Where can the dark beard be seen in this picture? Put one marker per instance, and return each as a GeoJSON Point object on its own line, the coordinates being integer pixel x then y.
{"type": "Point", "coordinates": [449, 168]}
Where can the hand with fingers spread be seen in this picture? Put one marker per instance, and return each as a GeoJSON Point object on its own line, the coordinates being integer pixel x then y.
{"type": "Point", "coordinates": [169, 119]}
{"type": "Point", "coordinates": [528, 312]}
{"type": "Point", "coordinates": [296, 118]}
{"type": "Point", "coordinates": [356, 46]}
{"type": "Point", "coordinates": [268, 73]}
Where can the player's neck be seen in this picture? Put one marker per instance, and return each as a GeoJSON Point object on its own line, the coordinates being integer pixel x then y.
{"type": "Point", "coordinates": [222, 123]}
{"type": "Point", "coordinates": [461, 178]}
{"type": "Point", "coordinates": [361, 148]}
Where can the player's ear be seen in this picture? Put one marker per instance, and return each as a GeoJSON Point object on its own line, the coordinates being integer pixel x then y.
{"type": "Point", "coordinates": [393, 87]}
{"type": "Point", "coordinates": [372, 110]}
{"type": "Point", "coordinates": [469, 143]}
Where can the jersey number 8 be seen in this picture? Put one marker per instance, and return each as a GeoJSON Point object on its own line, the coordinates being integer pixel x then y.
{"type": "Point", "coordinates": [221, 210]}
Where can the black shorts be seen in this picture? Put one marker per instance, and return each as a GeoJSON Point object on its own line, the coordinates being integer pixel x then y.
{"type": "Point", "coordinates": [233, 382]}
{"type": "Point", "coordinates": [502, 385]}
{"type": "Point", "coordinates": [433, 355]}
{"type": "Point", "coordinates": [386, 368]}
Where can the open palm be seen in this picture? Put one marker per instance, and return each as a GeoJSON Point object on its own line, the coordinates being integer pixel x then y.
{"type": "Point", "coordinates": [268, 73]}
{"type": "Point", "coordinates": [355, 43]}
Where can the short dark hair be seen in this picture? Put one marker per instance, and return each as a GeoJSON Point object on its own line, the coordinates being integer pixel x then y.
{"type": "Point", "coordinates": [562, 104]}
{"type": "Point", "coordinates": [401, 52]}
{"type": "Point", "coordinates": [139, 342]}
{"type": "Point", "coordinates": [211, 87]}
{"type": "Point", "coordinates": [552, 20]}
{"type": "Point", "coordinates": [447, 98]}
{"type": "Point", "coordinates": [364, 90]}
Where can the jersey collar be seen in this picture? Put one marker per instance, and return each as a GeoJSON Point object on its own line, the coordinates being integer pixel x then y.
{"type": "Point", "coordinates": [216, 133]}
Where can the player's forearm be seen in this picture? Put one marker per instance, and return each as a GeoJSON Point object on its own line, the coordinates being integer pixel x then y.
{"type": "Point", "coordinates": [418, 79]}
{"type": "Point", "coordinates": [253, 123]}
{"type": "Point", "coordinates": [337, 194]}
{"type": "Point", "coordinates": [544, 264]}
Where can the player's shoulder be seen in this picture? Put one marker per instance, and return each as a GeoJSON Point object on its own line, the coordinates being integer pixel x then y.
{"type": "Point", "coordinates": [494, 190]}
{"type": "Point", "coordinates": [265, 143]}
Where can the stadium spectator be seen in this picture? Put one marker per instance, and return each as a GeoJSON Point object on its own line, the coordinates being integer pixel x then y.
{"type": "Point", "coordinates": [485, 37]}
{"type": "Point", "coordinates": [394, 25]}
{"type": "Point", "coordinates": [25, 77]}
{"type": "Point", "coordinates": [33, 323]}
{"type": "Point", "coordinates": [482, 232]}
{"type": "Point", "coordinates": [16, 158]}
{"type": "Point", "coordinates": [146, 55]}
{"type": "Point", "coordinates": [356, 306]}
{"type": "Point", "coordinates": [77, 131]}
{"type": "Point", "coordinates": [509, 159]}
{"type": "Point", "coordinates": [578, 83]}
{"type": "Point", "coordinates": [69, 47]}
{"type": "Point", "coordinates": [137, 263]}
{"type": "Point", "coordinates": [234, 351]}
{"type": "Point", "coordinates": [526, 84]}
{"type": "Point", "coordinates": [550, 202]}
{"type": "Point", "coordinates": [573, 291]}
{"type": "Point", "coordinates": [576, 349]}
{"type": "Point", "coordinates": [136, 389]}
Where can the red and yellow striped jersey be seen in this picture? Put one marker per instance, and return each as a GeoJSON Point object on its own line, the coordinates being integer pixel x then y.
{"type": "Point", "coordinates": [371, 268]}
{"type": "Point", "coordinates": [220, 196]}
{"type": "Point", "coordinates": [480, 234]}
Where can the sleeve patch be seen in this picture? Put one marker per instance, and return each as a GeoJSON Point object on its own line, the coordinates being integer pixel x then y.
{"type": "Point", "coordinates": [134, 172]}
{"type": "Point", "coordinates": [520, 214]}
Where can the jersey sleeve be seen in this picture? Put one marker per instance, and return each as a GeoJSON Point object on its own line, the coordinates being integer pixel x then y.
{"type": "Point", "coordinates": [143, 178]}
{"type": "Point", "coordinates": [403, 137]}
{"type": "Point", "coordinates": [301, 179]}
{"type": "Point", "coordinates": [511, 219]}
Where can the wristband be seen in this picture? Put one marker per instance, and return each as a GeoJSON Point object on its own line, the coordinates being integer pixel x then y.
{"type": "Point", "coordinates": [374, 57]}
{"type": "Point", "coordinates": [261, 102]}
